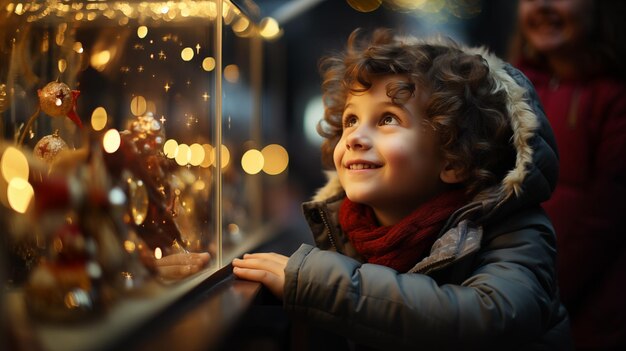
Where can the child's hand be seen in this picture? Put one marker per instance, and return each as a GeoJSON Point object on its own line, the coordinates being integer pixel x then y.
{"type": "Point", "coordinates": [265, 268]}
{"type": "Point", "coordinates": [181, 265]}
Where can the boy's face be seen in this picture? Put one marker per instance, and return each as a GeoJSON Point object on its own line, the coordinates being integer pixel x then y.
{"type": "Point", "coordinates": [386, 157]}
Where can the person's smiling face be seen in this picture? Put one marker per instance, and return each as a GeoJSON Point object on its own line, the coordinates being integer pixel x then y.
{"type": "Point", "coordinates": [555, 26]}
{"type": "Point", "coordinates": [387, 157]}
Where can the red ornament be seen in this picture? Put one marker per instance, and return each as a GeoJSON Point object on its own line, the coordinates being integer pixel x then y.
{"type": "Point", "coordinates": [58, 100]}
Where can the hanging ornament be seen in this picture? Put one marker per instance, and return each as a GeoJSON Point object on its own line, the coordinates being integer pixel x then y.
{"type": "Point", "coordinates": [147, 133]}
{"type": "Point", "coordinates": [57, 100]}
{"type": "Point", "coordinates": [48, 147]}
{"type": "Point", "coordinates": [138, 200]}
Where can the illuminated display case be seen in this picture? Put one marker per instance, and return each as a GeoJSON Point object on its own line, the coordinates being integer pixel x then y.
{"type": "Point", "coordinates": [132, 134]}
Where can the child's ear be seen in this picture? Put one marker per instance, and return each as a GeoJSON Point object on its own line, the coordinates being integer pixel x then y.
{"type": "Point", "coordinates": [452, 174]}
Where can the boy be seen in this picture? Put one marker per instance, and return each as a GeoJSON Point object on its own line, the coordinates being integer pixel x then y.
{"type": "Point", "coordinates": [430, 233]}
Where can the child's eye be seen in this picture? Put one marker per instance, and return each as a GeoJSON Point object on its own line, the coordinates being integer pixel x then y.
{"type": "Point", "coordinates": [388, 120]}
{"type": "Point", "coordinates": [349, 121]}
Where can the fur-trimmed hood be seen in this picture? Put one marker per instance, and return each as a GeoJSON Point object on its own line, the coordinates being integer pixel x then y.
{"type": "Point", "coordinates": [533, 178]}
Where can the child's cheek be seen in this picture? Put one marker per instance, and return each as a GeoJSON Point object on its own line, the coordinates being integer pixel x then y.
{"type": "Point", "coordinates": [338, 154]}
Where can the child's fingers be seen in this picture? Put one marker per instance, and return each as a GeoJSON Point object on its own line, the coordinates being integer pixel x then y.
{"type": "Point", "coordinates": [265, 268]}
{"type": "Point", "coordinates": [278, 258]}
{"type": "Point", "coordinates": [257, 275]}
{"type": "Point", "coordinates": [275, 283]}
{"type": "Point", "coordinates": [260, 263]}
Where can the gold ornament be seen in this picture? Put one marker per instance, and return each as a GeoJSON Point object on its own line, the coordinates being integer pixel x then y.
{"type": "Point", "coordinates": [58, 100]}
{"type": "Point", "coordinates": [48, 147]}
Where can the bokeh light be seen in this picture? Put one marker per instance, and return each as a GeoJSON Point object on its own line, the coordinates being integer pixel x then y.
{"type": "Point", "coordinates": [62, 65]}
{"type": "Point", "coordinates": [276, 159]}
{"type": "Point", "coordinates": [183, 155]}
{"type": "Point", "coordinates": [209, 156]}
{"type": "Point", "coordinates": [231, 73]}
{"type": "Point", "coordinates": [225, 154]}
{"type": "Point", "coordinates": [142, 31]}
{"type": "Point", "coordinates": [19, 194]}
{"type": "Point", "coordinates": [197, 154]}
{"type": "Point", "coordinates": [138, 105]}
{"type": "Point", "coordinates": [14, 164]}
{"type": "Point", "coordinates": [99, 118]}
{"type": "Point", "coordinates": [365, 5]}
{"type": "Point", "coordinates": [111, 141]}
{"type": "Point", "coordinates": [99, 60]}
{"type": "Point", "coordinates": [170, 148]}
{"type": "Point", "coordinates": [269, 28]}
{"type": "Point", "coordinates": [252, 161]}
{"type": "Point", "coordinates": [187, 54]}
{"type": "Point", "coordinates": [208, 64]}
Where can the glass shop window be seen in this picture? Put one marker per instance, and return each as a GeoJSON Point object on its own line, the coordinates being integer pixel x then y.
{"type": "Point", "coordinates": [132, 159]}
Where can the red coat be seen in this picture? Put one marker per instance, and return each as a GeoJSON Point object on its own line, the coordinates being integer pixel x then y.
{"type": "Point", "coordinates": [588, 207]}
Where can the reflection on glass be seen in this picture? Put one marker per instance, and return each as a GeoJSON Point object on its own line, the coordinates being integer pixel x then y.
{"type": "Point", "coordinates": [124, 160]}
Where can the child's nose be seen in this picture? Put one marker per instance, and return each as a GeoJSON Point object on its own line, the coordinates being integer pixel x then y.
{"type": "Point", "coordinates": [358, 140]}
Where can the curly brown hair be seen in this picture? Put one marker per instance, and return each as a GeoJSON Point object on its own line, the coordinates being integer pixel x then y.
{"type": "Point", "coordinates": [461, 101]}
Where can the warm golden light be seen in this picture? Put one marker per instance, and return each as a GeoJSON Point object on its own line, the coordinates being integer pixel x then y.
{"type": "Point", "coordinates": [123, 11]}
{"type": "Point", "coordinates": [138, 105]}
{"type": "Point", "coordinates": [209, 156]}
{"type": "Point", "coordinates": [409, 4]}
{"type": "Point", "coordinates": [276, 159]}
{"type": "Point", "coordinates": [78, 47]}
{"type": "Point", "coordinates": [252, 161]}
{"type": "Point", "coordinates": [138, 200]}
{"type": "Point", "coordinates": [365, 5]}
{"type": "Point", "coordinates": [197, 154]}
{"type": "Point", "coordinates": [99, 60]}
{"type": "Point", "coordinates": [183, 155]}
{"type": "Point", "coordinates": [14, 164]}
{"type": "Point", "coordinates": [62, 65]}
{"type": "Point", "coordinates": [233, 228]}
{"type": "Point", "coordinates": [142, 31]}
{"type": "Point", "coordinates": [269, 28]}
{"type": "Point", "coordinates": [129, 246]}
{"type": "Point", "coordinates": [19, 194]}
{"type": "Point", "coordinates": [199, 185]}
{"type": "Point", "coordinates": [111, 141]}
{"type": "Point", "coordinates": [170, 148]}
{"type": "Point", "coordinates": [208, 64]}
{"type": "Point", "coordinates": [231, 73]}
{"type": "Point", "coordinates": [241, 25]}
{"type": "Point", "coordinates": [99, 118]}
{"type": "Point", "coordinates": [158, 254]}
{"type": "Point", "coordinates": [225, 154]}
{"type": "Point", "coordinates": [187, 54]}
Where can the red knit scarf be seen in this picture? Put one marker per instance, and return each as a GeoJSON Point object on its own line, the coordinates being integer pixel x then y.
{"type": "Point", "coordinates": [402, 245]}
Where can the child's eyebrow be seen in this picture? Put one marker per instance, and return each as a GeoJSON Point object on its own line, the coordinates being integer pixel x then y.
{"type": "Point", "coordinates": [383, 104]}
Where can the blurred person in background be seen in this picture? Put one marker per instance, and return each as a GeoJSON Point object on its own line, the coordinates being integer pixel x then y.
{"type": "Point", "coordinates": [574, 52]}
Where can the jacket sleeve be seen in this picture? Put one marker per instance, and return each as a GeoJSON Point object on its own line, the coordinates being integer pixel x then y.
{"type": "Point", "coordinates": [506, 300]}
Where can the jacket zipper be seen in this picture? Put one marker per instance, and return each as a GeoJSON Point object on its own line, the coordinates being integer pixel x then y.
{"type": "Point", "coordinates": [439, 264]}
{"type": "Point", "coordinates": [330, 236]}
